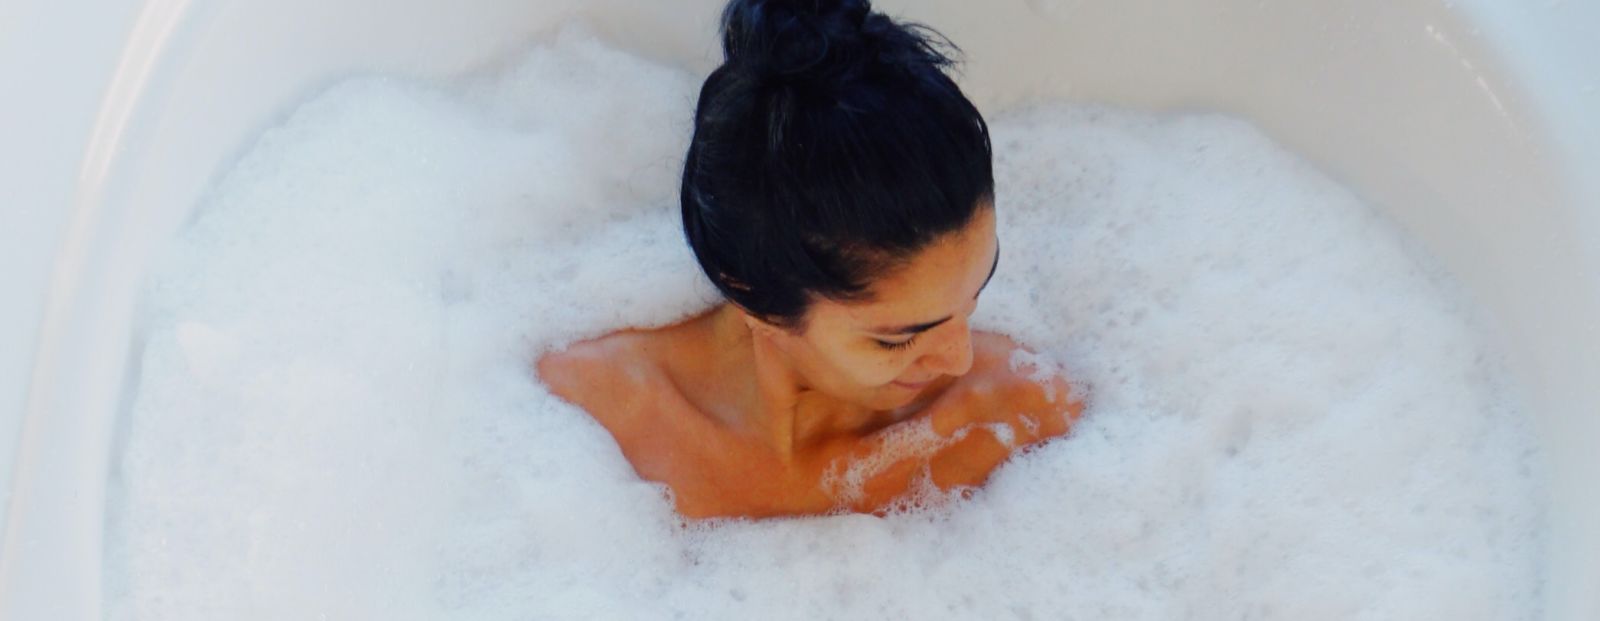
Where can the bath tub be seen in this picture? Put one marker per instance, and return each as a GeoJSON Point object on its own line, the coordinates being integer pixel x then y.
{"type": "Point", "coordinates": [1470, 124]}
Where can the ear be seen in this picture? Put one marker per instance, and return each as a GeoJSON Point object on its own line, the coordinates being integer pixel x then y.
{"type": "Point", "coordinates": [757, 326]}
{"type": "Point", "coordinates": [773, 332]}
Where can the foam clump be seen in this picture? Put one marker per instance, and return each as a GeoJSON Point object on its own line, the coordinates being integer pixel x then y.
{"type": "Point", "coordinates": [1291, 413]}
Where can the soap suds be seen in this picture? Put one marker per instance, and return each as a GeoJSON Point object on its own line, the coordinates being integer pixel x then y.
{"type": "Point", "coordinates": [1290, 414]}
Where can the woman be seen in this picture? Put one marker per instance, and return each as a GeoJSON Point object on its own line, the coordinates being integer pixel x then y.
{"type": "Point", "coordinates": [838, 192]}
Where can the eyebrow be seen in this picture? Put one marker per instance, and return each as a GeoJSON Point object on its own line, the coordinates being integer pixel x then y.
{"type": "Point", "coordinates": [924, 327]}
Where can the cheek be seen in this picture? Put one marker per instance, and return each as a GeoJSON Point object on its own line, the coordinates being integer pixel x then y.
{"type": "Point", "coordinates": [872, 368]}
{"type": "Point", "coordinates": [853, 364]}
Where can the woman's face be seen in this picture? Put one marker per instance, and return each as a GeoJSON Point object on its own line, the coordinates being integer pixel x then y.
{"type": "Point", "coordinates": [880, 353]}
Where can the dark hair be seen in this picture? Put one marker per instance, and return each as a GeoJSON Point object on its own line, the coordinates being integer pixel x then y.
{"type": "Point", "coordinates": [828, 147]}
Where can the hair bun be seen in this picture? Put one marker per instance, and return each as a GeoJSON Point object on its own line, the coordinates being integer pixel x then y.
{"type": "Point", "coordinates": [785, 37]}
{"type": "Point", "coordinates": [828, 147]}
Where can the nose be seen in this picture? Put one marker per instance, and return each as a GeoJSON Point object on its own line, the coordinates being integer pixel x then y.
{"type": "Point", "coordinates": [953, 355]}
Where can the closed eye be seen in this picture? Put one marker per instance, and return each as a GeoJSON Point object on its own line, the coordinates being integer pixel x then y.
{"type": "Point", "coordinates": [895, 346]}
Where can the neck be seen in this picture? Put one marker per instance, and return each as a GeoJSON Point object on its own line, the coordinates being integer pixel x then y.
{"type": "Point", "coordinates": [785, 411]}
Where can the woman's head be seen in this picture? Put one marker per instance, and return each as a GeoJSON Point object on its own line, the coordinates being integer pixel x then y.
{"type": "Point", "coordinates": [831, 155]}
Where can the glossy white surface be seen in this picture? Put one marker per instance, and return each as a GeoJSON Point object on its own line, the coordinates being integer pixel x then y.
{"type": "Point", "coordinates": [1470, 124]}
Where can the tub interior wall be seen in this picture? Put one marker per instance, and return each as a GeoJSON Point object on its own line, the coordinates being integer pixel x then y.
{"type": "Point", "coordinates": [1401, 100]}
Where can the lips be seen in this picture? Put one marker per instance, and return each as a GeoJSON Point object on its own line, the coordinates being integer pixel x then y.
{"type": "Point", "coordinates": [913, 385]}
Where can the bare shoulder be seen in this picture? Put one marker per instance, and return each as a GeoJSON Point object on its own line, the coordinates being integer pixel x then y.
{"type": "Point", "coordinates": [600, 374]}
{"type": "Point", "coordinates": [1009, 379]}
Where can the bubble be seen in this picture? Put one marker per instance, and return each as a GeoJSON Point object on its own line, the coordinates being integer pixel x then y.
{"type": "Point", "coordinates": [1292, 413]}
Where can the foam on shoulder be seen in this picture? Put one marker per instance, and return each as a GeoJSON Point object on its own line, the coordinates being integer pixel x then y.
{"type": "Point", "coordinates": [1291, 413]}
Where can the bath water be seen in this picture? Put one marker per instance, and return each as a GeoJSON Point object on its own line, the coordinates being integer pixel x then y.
{"type": "Point", "coordinates": [1292, 412]}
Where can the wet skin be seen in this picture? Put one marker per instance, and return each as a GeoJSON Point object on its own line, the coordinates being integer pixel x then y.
{"type": "Point", "coordinates": [740, 418]}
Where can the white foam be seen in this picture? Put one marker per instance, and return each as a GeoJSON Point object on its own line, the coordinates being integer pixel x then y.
{"type": "Point", "coordinates": [912, 440]}
{"type": "Point", "coordinates": [1291, 416]}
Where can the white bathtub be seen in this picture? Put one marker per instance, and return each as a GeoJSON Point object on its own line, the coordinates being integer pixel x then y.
{"type": "Point", "coordinates": [1476, 126]}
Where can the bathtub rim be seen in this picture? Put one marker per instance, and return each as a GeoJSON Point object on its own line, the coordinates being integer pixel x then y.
{"type": "Point", "coordinates": [89, 299]}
